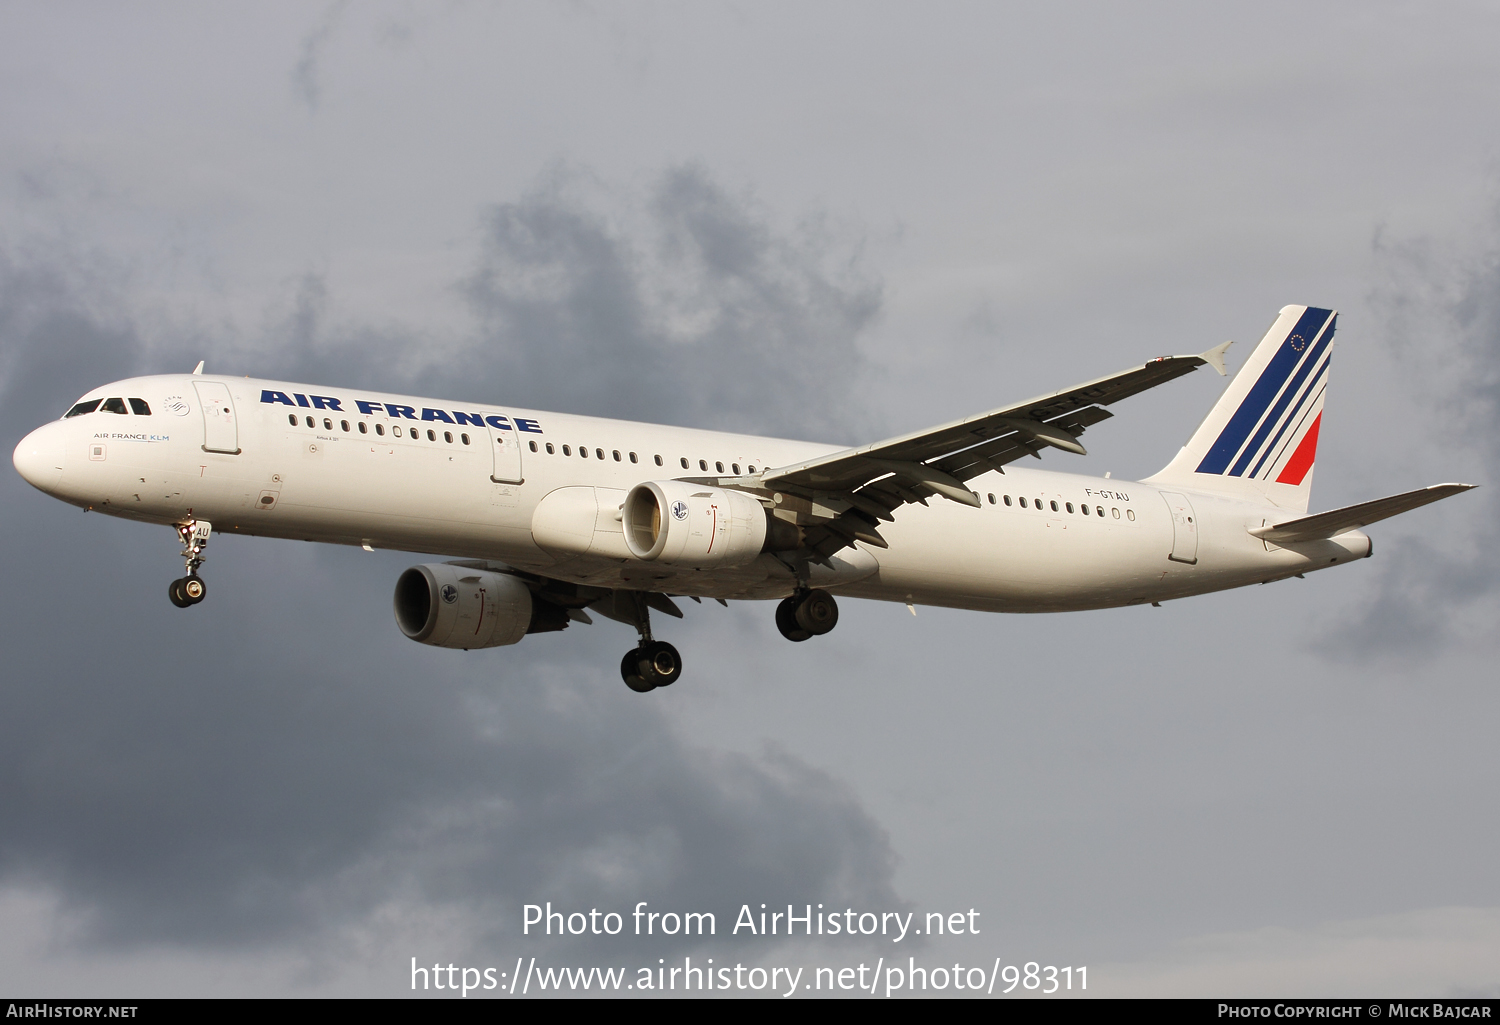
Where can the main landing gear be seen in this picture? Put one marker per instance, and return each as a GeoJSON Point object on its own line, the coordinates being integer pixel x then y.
{"type": "Point", "coordinates": [191, 589]}
{"type": "Point", "coordinates": [807, 614]}
{"type": "Point", "coordinates": [653, 663]}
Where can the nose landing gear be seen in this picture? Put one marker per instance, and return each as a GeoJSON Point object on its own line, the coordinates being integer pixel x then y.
{"type": "Point", "coordinates": [191, 589]}
{"type": "Point", "coordinates": [807, 614]}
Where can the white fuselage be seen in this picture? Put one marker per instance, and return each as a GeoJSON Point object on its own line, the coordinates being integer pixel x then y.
{"type": "Point", "coordinates": [344, 466]}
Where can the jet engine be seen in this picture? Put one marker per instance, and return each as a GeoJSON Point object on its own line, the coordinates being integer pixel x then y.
{"type": "Point", "coordinates": [681, 524]}
{"type": "Point", "coordinates": [457, 606]}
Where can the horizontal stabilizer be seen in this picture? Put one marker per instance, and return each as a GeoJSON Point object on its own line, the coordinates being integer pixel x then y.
{"type": "Point", "coordinates": [1352, 517]}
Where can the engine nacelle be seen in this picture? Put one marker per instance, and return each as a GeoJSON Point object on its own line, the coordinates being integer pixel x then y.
{"type": "Point", "coordinates": [460, 607]}
{"type": "Point", "coordinates": [681, 524]}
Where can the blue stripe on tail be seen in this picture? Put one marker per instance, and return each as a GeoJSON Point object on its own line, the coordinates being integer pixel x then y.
{"type": "Point", "coordinates": [1291, 392]}
{"type": "Point", "coordinates": [1265, 390]}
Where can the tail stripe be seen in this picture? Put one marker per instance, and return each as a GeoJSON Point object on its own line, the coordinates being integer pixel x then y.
{"type": "Point", "coordinates": [1312, 410]}
{"type": "Point", "coordinates": [1295, 352]}
{"type": "Point", "coordinates": [1305, 402]}
{"type": "Point", "coordinates": [1302, 459]}
{"type": "Point", "coordinates": [1316, 357]}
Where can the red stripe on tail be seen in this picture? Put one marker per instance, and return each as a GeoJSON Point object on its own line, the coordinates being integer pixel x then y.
{"type": "Point", "coordinates": [1302, 459]}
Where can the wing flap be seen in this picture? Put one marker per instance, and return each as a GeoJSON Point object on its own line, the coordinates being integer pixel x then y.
{"type": "Point", "coordinates": [1352, 517]}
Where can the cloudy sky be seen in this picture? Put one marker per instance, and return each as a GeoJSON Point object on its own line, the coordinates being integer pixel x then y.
{"type": "Point", "coordinates": [836, 221]}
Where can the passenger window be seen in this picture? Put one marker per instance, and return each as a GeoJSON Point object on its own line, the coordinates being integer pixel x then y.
{"type": "Point", "coordinates": [432, 435]}
{"type": "Point", "coordinates": [465, 439]}
{"type": "Point", "coordinates": [345, 425]}
{"type": "Point", "coordinates": [567, 451]}
{"type": "Point", "coordinates": [311, 422]}
{"type": "Point", "coordinates": [633, 459]}
{"type": "Point", "coordinates": [1100, 511]}
{"type": "Point", "coordinates": [396, 430]}
{"type": "Point", "coordinates": [658, 460]}
{"type": "Point", "coordinates": [364, 428]}
{"type": "Point", "coordinates": [448, 437]}
{"type": "Point", "coordinates": [703, 464]}
{"type": "Point", "coordinates": [1023, 503]}
{"type": "Point", "coordinates": [380, 429]}
{"type": "Point", "coordinates": [1068, 504]}
{"type": "Point", "coordinates": [533, 446]}
{"type": "Point", "coordinates": [684, 462]}
{"type": "Point", "coordinates": [1007, 500]}
{"type": "Point", "coordinates": [1054, 507]}
{"type": "Point", "coordinates": [290, 417]}
{"type": "Point", "coordinates": [113, 406]}
{"type": "Point", "coordinates": [751, 467]}
{"type": "Point", "coordinates": [550, 450]}
{"type": "Point", "coordinates": [1083, 509]}
{"type": "Point", "coordinates": [583, 453]}
{"type": "Point", "coordinates": [139, 407]}
{"type": "Point", "coordinates": [992, 498]}
{"type": "Point", "coordinates": [616, 454]}
{"type": "Point", "coordinates": [1130, 514]}
{"type": "Point", "coordinates": [327, 424]}
{"type": "Point", "coordinates": [88, 407]}
{"type": "Point", "coordinates": [718, 467]}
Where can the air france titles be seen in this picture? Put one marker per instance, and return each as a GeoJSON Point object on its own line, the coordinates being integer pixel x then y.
{"type": "Point", "coordinates": [397, 411]}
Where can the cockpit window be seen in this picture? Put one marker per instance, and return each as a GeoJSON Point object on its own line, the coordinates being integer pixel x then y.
{"type": "Point", "coordinates": [113, 406]}
{"type": "Point", "coordinates": [84, 407]}
{"type": "Point", "coordinates": [139, 407]}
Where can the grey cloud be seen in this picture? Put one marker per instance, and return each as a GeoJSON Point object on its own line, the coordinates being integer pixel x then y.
{"type": "Point", "coordinates": [53, 346]}
{"type": "Point", "coordinates": [306, 73]}
{"type": "Point", "coordinates": [703, 314]}
{"type": "Point", "coordinates": [1441, 318]}
{"type": "Point", "coordinates": [686, 306]}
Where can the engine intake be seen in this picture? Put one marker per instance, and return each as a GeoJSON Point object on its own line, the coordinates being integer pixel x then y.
{"type": "Point", "coordinates": [681, 524]}
{"type": "Point", "coordinates": [454, 606]}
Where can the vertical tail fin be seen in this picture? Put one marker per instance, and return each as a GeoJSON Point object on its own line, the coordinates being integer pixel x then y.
{"type": "Point", "coordinates": [1261, 437]}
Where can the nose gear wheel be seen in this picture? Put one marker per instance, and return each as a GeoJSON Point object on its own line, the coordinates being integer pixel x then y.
{"type": "Point", "coordinates": [191, 589]}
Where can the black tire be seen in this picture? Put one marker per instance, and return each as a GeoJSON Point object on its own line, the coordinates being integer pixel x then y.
{"type": "Point", "coordinates": [631, 674]}
{"type": "Point", "coordinates": [817, 612]}
{"type": "Point", "coordinates": [174, 591]}
{"type": "Point", "coordinates": [193, 589]}
{"type": "Point", "coordinates": [786, 621]}
{"type": "Point", "coordinates": [659, 663]}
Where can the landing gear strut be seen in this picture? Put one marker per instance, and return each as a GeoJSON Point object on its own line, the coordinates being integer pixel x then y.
{"type": "Point", "coordinates": [191, 589]}
{"type": "Point", "coordinates": [807, 614]}
{"type": "Point", "coordinates": [654, 663]}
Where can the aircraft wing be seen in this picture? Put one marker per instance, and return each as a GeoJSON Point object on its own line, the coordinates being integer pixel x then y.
{"type": "Point", "coordinates": [850, 491]}
{"type": "Point", "coordinates": [1352, 517]}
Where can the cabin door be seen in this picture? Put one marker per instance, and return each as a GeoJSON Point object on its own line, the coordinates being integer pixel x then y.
{"type": "Point", "coordinates": [220, 432]}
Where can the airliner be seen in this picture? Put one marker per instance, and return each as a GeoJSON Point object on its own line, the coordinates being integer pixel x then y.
{"type": "Point", "coordinates": [553, 516]}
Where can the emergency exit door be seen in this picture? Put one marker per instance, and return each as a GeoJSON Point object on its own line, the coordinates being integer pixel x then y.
{"type": "Point", "coordinates": [506, 449]}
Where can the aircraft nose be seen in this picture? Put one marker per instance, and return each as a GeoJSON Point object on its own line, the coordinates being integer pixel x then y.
{"type": "Point", "coordinates": [39, 457]}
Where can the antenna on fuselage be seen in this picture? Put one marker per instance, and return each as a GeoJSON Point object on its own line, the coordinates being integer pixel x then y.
{"type": "Point", "coordinates": [198, 370]}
